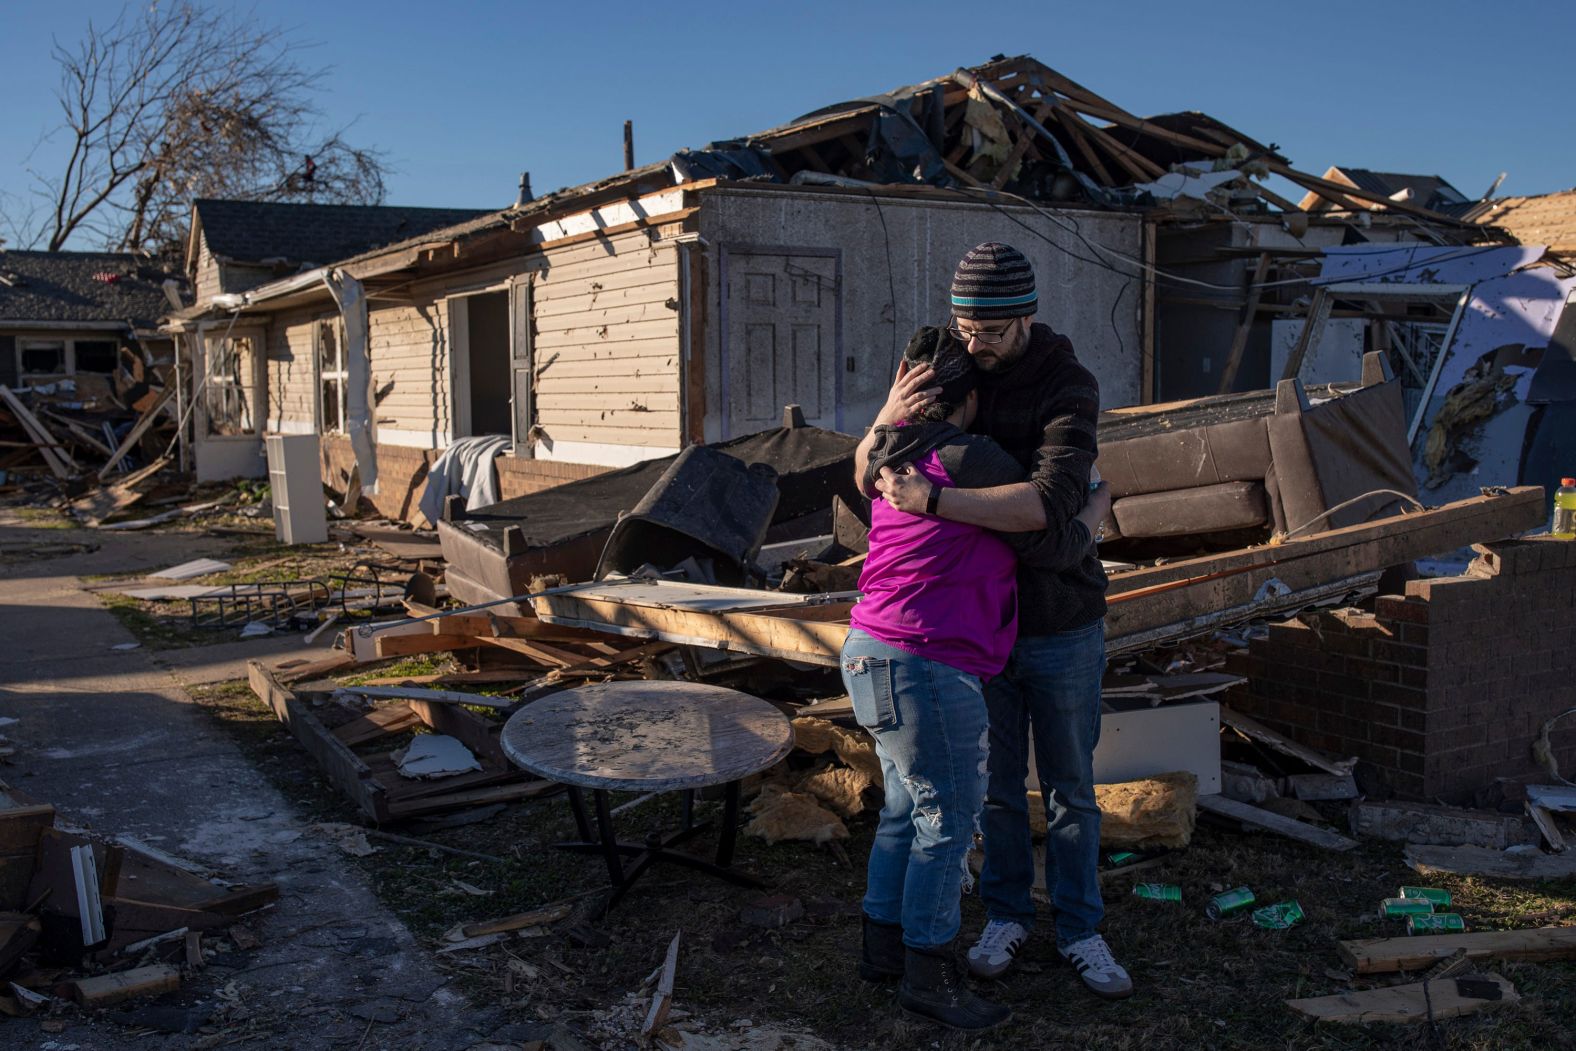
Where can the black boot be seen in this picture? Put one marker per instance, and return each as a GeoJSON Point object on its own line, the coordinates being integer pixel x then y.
{"type": "Point", "coordinates": [881, 959]}
{"type": "Point", "coordinates": [933, 988]}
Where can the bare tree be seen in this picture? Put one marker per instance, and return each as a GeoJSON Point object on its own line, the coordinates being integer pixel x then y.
{"type": "Point", "coordinates": [172, 102]}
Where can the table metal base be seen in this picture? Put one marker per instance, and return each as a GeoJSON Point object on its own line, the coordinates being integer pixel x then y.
{"type": "Point", "coordinates": [657, 847]}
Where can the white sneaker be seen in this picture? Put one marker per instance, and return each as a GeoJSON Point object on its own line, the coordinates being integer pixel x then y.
{"type": "Point", "coordinates": [999, 943]}
{"type": "Point", "coordinates": [1098, 968]}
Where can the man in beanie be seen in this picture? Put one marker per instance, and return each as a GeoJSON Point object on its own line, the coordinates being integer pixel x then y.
{"type": "Point", "coordinates": [1041, 406]}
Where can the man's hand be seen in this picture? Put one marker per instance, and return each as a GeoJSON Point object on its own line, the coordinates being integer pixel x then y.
{"type": "Point", "coordinates": [1097, 510]}
{"type": "Point", "coordinates": [908, 394]}
{"type": "Point", "coordinates": [905, 489]}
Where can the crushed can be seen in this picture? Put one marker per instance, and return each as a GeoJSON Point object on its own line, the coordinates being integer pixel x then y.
{"type": "Point", "coordinates": [1157, 891]}
{"type": "Point", "coordinates": [1223, 905]}
{"type": "Point", "coordinates": [1120, 858]}
{"type": "Point", "coordinates": [1394, 907]}
{"type": "Point", "coordinates": [1433, 894]}
{"type": "Point", "coordinates": [1438, 923]}
{"type": "Point", "coordinates": [1278, 917]}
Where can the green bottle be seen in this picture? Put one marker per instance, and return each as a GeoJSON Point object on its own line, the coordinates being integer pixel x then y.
{"type": "Point", "coordinates": [1564, 523]}
{"type": "Point", "coordinates": [1157, 891]}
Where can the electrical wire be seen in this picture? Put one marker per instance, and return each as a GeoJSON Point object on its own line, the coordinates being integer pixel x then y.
{"type": "Point", "coordinates": [891, 277]}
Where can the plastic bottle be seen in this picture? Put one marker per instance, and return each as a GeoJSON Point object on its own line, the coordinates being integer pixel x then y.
{"type": "Point", "coordinates": [1564, 524]}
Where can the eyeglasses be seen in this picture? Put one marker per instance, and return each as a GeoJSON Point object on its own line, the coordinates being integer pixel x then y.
{"type": "Point", "coordinates": [989, 339]}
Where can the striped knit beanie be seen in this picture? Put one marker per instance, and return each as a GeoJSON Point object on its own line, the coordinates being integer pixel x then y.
{"type": "Point", "coordinates": [994, 281]}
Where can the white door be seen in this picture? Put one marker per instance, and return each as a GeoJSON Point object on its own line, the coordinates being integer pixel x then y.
{"type": "Point", "coordinates": [230, 406]}
{"type": "Point", "coordinates": [781, 331]}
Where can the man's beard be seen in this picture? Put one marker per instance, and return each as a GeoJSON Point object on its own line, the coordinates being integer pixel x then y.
{"type": "Point", "coordinates": [1001, 357]}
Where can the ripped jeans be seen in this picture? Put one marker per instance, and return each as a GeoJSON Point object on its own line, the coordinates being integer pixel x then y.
{"type": "Point", "coordinates": [929, 723]}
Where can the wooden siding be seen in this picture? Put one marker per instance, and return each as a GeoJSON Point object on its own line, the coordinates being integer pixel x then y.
{"type": "Point", "coordinates": [607, 341]}
{"type": "Point", "coordinates": [292, 374]}
{"type": "Point", "coordinates": [410, 367]}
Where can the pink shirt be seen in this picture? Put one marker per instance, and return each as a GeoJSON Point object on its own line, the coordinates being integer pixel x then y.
{"type": "Point", "coordinates": [942, 590]}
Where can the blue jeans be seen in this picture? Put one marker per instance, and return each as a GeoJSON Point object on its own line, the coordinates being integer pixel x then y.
{"type": "Point", "coordinates": [1052, 683]}
{"type": "Point", "coordinates": [929, 724]}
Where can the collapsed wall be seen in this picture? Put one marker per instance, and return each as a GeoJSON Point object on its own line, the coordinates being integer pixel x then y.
{"type": "Point", "coordinates": [1442, 689]}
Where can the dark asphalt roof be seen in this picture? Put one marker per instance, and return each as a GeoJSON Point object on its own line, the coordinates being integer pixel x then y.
{"type": "Point", "coordinates": [313, 234]}
{"type": "Point", "coordinates": [81, 286]}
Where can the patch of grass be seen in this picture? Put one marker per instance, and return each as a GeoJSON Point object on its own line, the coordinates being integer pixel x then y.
{"type": "Point", "coordinates": [43, 518]}
{"type": "Point", "coordinates": [417, 664]}
{"type": "Point", "coordinates": [154, 630]}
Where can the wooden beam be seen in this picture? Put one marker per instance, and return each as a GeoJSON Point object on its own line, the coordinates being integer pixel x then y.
{"type": "Point", "coordinates": [1386, 955]}
{"type": "Point", "coordinates": [48, 446]}
{"type": "Point", "coordinates": [1141, 168]}
{"type": "Point", "coordinates": [1081, 141]}
{"type": "Point", "coordinates": [551, 656]}
{"type": "Point", "coordinates": [1250, 310]}
{"type": "Point", "coordinates": [135, 434]}
{"type": "Point", "coordinates": [1272, 822]}
{"type": "Point", "coordinates": [408, 693]}
{"type": "Point", "coordinates": [339, 764]}
{"type": "Point", "coordinates": [1402, 1003]}
{"type": "Point", "coordinates": [1487, 862]}
{"type": "Point", "coordinates": [405, 645]}
{"type": "Point", "coordinates": [697, 319]}
{"type": "Point", "coordinates": [1026, 135]}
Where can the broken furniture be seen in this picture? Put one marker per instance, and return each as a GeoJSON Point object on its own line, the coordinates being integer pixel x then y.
{"type": "Point", "coordinates": [1240, 466]}
{"type": "Point", "coordinates": [495, 552]}
{"type": "Point", "coordinates": [649, 737]}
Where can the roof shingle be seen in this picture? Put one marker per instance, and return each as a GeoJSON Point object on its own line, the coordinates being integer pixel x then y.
{"type": "Point", "coordinates": [81, 286]}
{"type": "Point", "coordinates": [312, 234]}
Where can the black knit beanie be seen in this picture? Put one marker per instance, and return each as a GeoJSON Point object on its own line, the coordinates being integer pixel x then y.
{"type": "Point", "coordinates": [993, 282]}
{"type": "Point", "coordinates": [956, 374]}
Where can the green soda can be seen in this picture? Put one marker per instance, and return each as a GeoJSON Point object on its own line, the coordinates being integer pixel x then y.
{"type": "Point", "coordinates": [1278, 917]}
{"type": "Point", "coordinates": [1120, 858]}
{"type": "Point", "coordinates": [1433, 894]}
{"type": "Point", "coordinates": [1405, 907]}
{"type": "Point", "coordinates": [1223, 905]}
{"type": "Point", "coordinates": [1158, 891]}
{"type": "Point", "coordinates": [1438, 923]}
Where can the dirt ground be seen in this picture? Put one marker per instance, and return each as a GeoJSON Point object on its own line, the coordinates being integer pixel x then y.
{"type": "Point", "coordinates": [1200, 983]}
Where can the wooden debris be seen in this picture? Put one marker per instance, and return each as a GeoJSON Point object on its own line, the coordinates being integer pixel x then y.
{"type": "Point", "coordinates": [1401, 1003]}
{"type": "Point", "coordinates": [1315, 787]}
{"type": "Point", "coordinates": [18, 932]}
{"type": "Point", "coordinates": [1256, 731]}
{"type": "Point", "coordinates": [1428, 860]}
{"type": "Point", "coordinates": [519, 921]}
{"type": "Point", "coordinates": [1285, 826]}
{"type": "Point", "coordinates": [194, 956]}
{"type": "Point", "coordinates": [377, 723]}
{"type": "Point", "coordinates": [1421, 823]}
{"type": "Point", "coordinates": [1383, 955]}
{"type": "Point", "coordinates": [662, 999]}
{"type": "Point", "coordinates": [400, 693]}
{"type": "Point", "coordinates": [113, 988]}
{"type": "Point", "coordinates": [59, 462]}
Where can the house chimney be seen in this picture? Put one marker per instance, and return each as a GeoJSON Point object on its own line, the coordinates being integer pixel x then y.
{"type": "Point", "coordinates": [629, 145]}
{"type": "Point", "coordinates": [525, 189]}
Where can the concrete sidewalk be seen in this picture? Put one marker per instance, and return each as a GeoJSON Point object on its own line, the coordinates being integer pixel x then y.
{"type": "Point", "coordinates": [114, 742]}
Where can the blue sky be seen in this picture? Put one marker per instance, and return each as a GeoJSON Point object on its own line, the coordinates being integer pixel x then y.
{"type": "Point", "coordinates": [462, 96]}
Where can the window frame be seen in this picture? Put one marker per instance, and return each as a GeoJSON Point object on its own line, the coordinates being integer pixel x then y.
{"type": "Point", "coordinates": [340, 376]}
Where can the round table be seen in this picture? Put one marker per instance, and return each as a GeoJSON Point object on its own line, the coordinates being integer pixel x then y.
{"type": "Point", "coordinates": [648, 736]}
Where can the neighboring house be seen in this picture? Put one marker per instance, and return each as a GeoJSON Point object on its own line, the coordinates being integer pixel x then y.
{"type": "Point", "coordinates": [1547, 219]}
{"type": "Point", "coordinates": [690, 300]}
{"type": "Point", "coordinates": [66, 315]}
{"type": "Point", "coordinates": [234, 246]}
{"type": "Point", "coordinates": [1426, 191]}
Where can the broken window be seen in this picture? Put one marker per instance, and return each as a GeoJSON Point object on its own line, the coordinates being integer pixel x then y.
{"type": "Point", "coordinates": [230, 386]}
{"type": "Point", "coordinates": [42, 357]}
{"type": "Point", "coordinates": [95, 355]}
{"type": "Point", "coordinates": [331, 375]}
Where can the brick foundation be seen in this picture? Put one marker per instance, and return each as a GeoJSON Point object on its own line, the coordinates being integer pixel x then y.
{"type": "Point", "coordinates": [402, 475]}
{"type": "Point", "coordinates": [1443, 689]}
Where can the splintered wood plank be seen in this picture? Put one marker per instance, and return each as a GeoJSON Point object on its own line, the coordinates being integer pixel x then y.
{"type": "Point", "coordinates": [1383, 955]}
{"type": "Point", "coordinates": [125, 985]}
{"type": "Point", "coordinates": [1482, 861]}
{"type": "Point", "coordinates": [551, 656]}
{"type": "Point", "coordinates": [1272, 822]}
{"type": "Point", "coordinates": [618, 658]}
{"type": "Point", "coordinates": [474, 797]}
{"type": "Point", "coordinates": [1402, 1003]}
{"type": "Point", "coordinates": [1256, 731]}
{"type": "Point", "coordinates": [401, 693]}
{"type": "Point", "coordinates": [405, 645]}
{"type": "Point", "coordinates": [376, 723]}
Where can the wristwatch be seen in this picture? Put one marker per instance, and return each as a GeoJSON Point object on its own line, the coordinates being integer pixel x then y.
{"type": "Point", "coordinates": [934, 500]}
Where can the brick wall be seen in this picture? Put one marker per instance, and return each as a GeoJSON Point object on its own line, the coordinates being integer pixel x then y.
{"type": "Point", "coordinates": [402, 475]}
{"type": "Point", "coordinates": [1443, 689]}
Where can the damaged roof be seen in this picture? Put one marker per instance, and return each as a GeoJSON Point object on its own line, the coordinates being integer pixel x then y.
{"type": "Point", "coordinates": [1427, 191]}
{"type": "Point", "coordinates": [81, 286]}
{"type": "Point", "coordinates": [1546, 219]}
{"type": "Point", "coordinates": [312, 234]}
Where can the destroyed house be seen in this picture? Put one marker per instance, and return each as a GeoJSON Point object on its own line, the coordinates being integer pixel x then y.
{"type": "Point", "coordinates": [690, 300]}
{"type": "Point", "coordinates": [1430, 191]}
{"type": "Point", "coordinates": [66, 315]}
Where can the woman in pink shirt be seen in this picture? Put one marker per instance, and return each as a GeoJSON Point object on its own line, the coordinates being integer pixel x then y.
{"type": "Point", "coordinates": [938, 616]}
